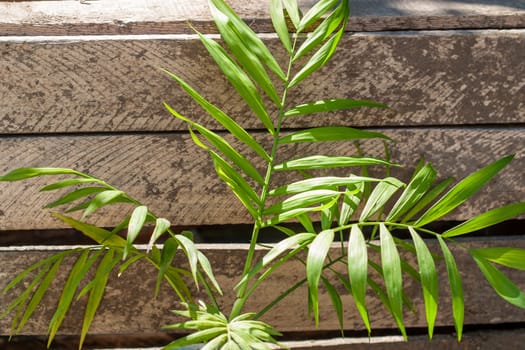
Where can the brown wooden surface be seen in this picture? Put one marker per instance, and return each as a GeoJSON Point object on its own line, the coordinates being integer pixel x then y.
{"type": "Point", "coordinates": [92, 84]}
{"type": "Point", "coordinates": [158, 16]}
{"type": "Point", "coordinates": [128, 306]}
{"type": "Point", "coordinates": [175, 178]}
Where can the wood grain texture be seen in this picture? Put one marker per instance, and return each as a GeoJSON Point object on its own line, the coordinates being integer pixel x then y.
{"type": "Point", "coordinates": [128, 306]}
{"type": "Point", "coordinates": [158, 16]}
{"type": "Point", "coordinates": [175, 178]}
{"type": "Point", "coordinates": [92, 84]}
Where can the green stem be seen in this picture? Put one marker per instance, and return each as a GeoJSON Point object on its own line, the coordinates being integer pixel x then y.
{"type": "Point", "coordinates": [243, 294]}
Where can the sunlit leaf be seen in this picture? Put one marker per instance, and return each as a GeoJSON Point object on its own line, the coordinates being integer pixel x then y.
{"type": "Point", "coordinates": [325, 162]}
{"type": "Point", "coordinates": [456, 288]}
{"type": "Point", "coordinates": [462, 191]}
{"type": "Point", "coordinates": [240, 81]}
{"type": "Point", "coordinates": [221, 117]}
{"type": "Point", "coordinates": [223, 146]}
{"type": "Point", "coordinates": [251, 39]}
{"type": "Point", "coordinates": [191, 252]}
{"type": "Point", "coordinates": [501, 283]}
{"type": "Point", "coordinates": [230, 33]}
{"type": "Point", "coordinates": [67, 183]}
{"type": "Point", "coordinates": [293, 11]}
{"type": "Point", "coordinates": [329, 106]}
{"type": "Point", "coordinates": [99, 235]}
{"type": "Point", "coordinates": [161, 226]}
{"type": "Point", "coordinates": [492, 217]}
{"type": "Point", "coordinates": [351, 200]}
{"type": "Point", "coordinates": [319, 59]}
{"type": "Point", "coordinates": [358, 271]}
{"type": "Point", "coordinates": [391, 264]}
{"type": "Point", "coordinates": [279, 24]}
{"type": "Point", "coordinates": [323, 182]}
{"type": "Point", "coordinates": [100, 200]}
{"type": "Point", "coordinates": [505, 256]}
{"type": "Point", "coordinates": [136, 222]}
{"type": "Point", "coordinates": [26, 173]}
{"type": "Point", "coordinates": [379, 196]}
{"type": "Point", "coordinates": [414, 191]}
{"type": "Point", "coordinates": [429, 280]}
{"type": "Point", "coordinates": [330, 133]}
{"type": "Point", "coordinates": [428, 198]}
{"type": "Point", "coordinates": [75, 195]}
{"type": "Point", "coordinates": [302, 200]}
{"type": "Point", "coordinates": [314, 266]}
{"type": "Point", "coordinates": [314, 13]}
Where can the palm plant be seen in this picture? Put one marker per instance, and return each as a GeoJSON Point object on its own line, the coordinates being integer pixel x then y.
{"type": "Point", "coordinates": [333, 197]}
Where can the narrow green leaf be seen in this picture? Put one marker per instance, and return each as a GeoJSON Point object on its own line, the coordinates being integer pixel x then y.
{"type": "Point", "coordinates": [248, 36]}
{"type": "Point", "coordinates": [191, 252]}
{"type": "Point", "coordinates": [136, 222]}
{"type": "Point", "coordinates": [239, 80]}
{"type": "Point", "coordinates": [429, 280]}
{"type": "Point", "coordinates": [206, 267]}
{"type": "Point", "coordinates": [337, 303]}
{"type": "Point", "coordinates": [330, 133]}
{"type": "Point", "coordinates": [456, 288]}
{"type": "Point", "coordinates": [316, 12]}
{"type": "Point", "coordinates": [329, 106]}
{"type": "Point", "coordinates": [305, 220]}
{"type": "Point", "coordinates": [293, 11]}
{"type": "Point", "coordinates": [239, 187]}
{"type": "Point", "coordinates": [251, 63]}
{"type": "Point", "coordinates": [380, 196]}
{"type": "Point", "coordinates": [319, 59]}
{"type": "Point", "coordinates": [302, 200]}
{"type": "Point", "coordinates": [26, 173]}
{"type": "Point", "coordinates": [77, 273]}
{"type": "Point", "coordinates": [168, 253]}
{"type": "Point", "coordinates": [100, 281]}
{"type": "Point", "coordinates": [221, 117]}
{"type": "Point", "coordinates": [314, 266]}
{"type": "Point", "coordinates": [462, 191]}
{"type": "Point", "coordinates": [221, 145]}
{"type": "Point", "coordinates": [428, 198]}
{"type": "Point", "coordinates": [505, 256]}
{"type": "Point", "coordinates": [351, 200]}
{"type": "Point", "coordinates": [39, 293]}
{"type": "Point", "coordinates": [161, 226]}
{"type": "Point", "coordinates": [325, 162]}
{"type": "Point", "coordinates": [501, 283]}
{"type": "Point", "coordinates": [358, 271]}
{"type": "Point", "coordinates": [298, 214]}
{"type": "Point", "coordinates": [391, 264]}
{"type": "Point", "coordinates": [99, 235]}
{"type": "Point", "coordinates": [196, 338]}
{"type": "Point", "coordinates": [492, 217]}
{"type": "Point", "coordinates": [102, 199]}
{"type": "Point", "coordinates": [279, 24]}
{"type": "Point", "coordinates": [67, 183]}
{"type": "Point", "coordinates": [415, 190]}
{"type": "Point", "coordinates": [75, 195]}
{"type": "Point", "coordinates": [323, 31]}
{"type": "Point", "coordinates": [323, 182]}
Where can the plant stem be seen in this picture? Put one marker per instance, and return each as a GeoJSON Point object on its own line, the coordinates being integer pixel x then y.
{"type": "Point", "coordinates": [242, 294]}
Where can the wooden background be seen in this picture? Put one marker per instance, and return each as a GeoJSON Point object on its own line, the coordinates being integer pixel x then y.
{"type": "Point", "coordinates": [80, 87]}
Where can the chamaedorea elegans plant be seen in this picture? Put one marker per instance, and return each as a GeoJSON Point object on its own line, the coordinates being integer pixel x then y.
{"type": "Point", "coordinates": [333, 197]}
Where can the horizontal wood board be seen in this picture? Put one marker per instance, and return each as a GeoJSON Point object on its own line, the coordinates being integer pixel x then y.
{"type": "Point", "coordinates": [112, 83]}
{"type": "Point", "coordinates": [175, 177]}
{"type": "Point", "coordinates": [129, 306]}
{"type": "Point", "coordinates": [158, 16]}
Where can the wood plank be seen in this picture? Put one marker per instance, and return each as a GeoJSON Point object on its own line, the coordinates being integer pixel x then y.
{"type": "Point", "coordinates": [128, 307]}
{"type": "Point", "coordinates": [100, 83]}
{"type": "Point", "coordinates": [161, 17]}
{"type": "Point", "coordinates": [176, 179]}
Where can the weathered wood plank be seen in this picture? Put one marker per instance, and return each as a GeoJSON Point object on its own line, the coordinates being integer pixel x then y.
{"type": "Point", "coordinates": [128, 306]}
{"type": "Point", "coordinates": [176, 179]}
{"type": "Point", "coordinates": [157, 16]}
{"type": "Point", "coordinates": [92, 84]}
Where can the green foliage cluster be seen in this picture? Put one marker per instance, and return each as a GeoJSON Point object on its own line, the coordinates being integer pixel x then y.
{"type": "Point", "coordinates": [363, 213]}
